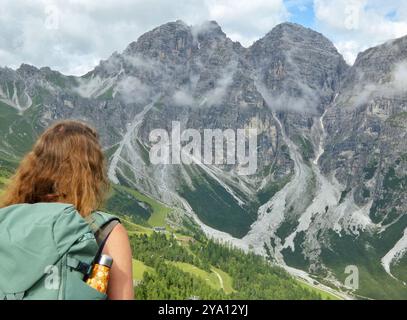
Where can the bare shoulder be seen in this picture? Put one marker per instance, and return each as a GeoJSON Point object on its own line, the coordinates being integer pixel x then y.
{"type": "Point", "coordinates": [121, 279]}
{"type": "Point", "coordinates": [118, 236]}
{"type": "Point", "coordinates": [118, 243]}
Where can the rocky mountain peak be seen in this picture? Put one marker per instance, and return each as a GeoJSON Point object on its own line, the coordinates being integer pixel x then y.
{"type": "Point", "coordinates": [27, 70]}
{"type": "Point", "coordinates": [389, 52]}
{"type": "Point", "coordinates": [167, 39]}
{"type": "Point", "coordinates": [287, 35]}
{"type": "Point", "coordinates": [176, 39]}
{"type": "Point", "coordinates": [378, 64]}
{"type": "Point", "coordinates": [208, 29]}
{"type": "Point", "coordinates": [288, 59]}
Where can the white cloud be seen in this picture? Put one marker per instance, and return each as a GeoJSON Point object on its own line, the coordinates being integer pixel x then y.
{"type": "Point", "coordinates": [246, 21]}
{"type": "Point", "coordinates": [399, 80]}
{"type": "Point", "coordinates": [394, 85]}
{"type": "Point", "coordinates": [355, 25]}
{"type": "Point", "coordinates": [349, 50]}
{"type": "Point", "coordinates": [183, 98]}
{"type": "Point", "coordinates": [73, 35]}
{"type": "Point", "coordinates": [132, 90]}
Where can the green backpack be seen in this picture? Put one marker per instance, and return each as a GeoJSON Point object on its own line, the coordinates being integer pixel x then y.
{"type": "Point", "coordinates": [46, 250]}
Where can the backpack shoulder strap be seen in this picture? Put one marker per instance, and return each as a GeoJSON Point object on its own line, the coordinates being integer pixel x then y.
{"type": "Point", "coordinates": [102, 224]}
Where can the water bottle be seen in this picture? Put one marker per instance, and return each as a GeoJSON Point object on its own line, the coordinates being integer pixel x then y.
{"type": "Point", "coordinates": [99, 278]}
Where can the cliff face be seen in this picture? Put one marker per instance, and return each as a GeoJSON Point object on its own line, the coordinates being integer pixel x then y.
{"type": "Point", "coordinates": [329, 188]}
{"type": "Point", "coordinates": [366, 148]}
{"type": "Point", "coordinates": [366, 130]}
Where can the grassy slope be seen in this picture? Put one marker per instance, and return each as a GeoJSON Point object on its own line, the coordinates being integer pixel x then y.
{"type": "Point", "coordinates": [374, 282]}
{"type": "Point", "coordinates": [210, 278]}
{"type": "Point", "coordinates": [139, 268]}
{"type": "Point", "coordinates": [18, 131]}
{"type": "Point", "coordinates": [3, 181]}
{"type": "Point", "coordinates": [399, 269]}
{"type": "Point", "coordinates": [133, 228]}
{"type": "Point", "coordinates": [325, 295]}
{"type": "Point", "coordinates": [226, 279]}
{"type": "Point", "coordinates": [159, 210]}
{"type": "Point", "coordinates": [216, 207]}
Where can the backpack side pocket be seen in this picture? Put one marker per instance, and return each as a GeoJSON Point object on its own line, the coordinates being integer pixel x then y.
{"type": "Point", "coordinates": [77, 289]}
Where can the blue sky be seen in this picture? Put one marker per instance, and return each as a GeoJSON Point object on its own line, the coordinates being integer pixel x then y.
{"type": "Point", "coordinates": [302, 13]}
{"type": "Point", "coordinates": [72, 36]}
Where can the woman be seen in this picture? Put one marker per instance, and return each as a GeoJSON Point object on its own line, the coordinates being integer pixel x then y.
{"type": "Point", "coordinates": [67, 165]}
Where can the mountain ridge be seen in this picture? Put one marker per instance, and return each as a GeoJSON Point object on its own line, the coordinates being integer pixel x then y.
{"type": "Point", "coordinates": [187, 27]}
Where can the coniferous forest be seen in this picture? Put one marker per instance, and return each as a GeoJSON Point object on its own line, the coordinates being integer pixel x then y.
{"type": "Point", "coordinates": [252, 277]}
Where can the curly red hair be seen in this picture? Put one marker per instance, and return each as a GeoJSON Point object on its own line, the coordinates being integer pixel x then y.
{"type": "Point", "coordinates": [66, 165]}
